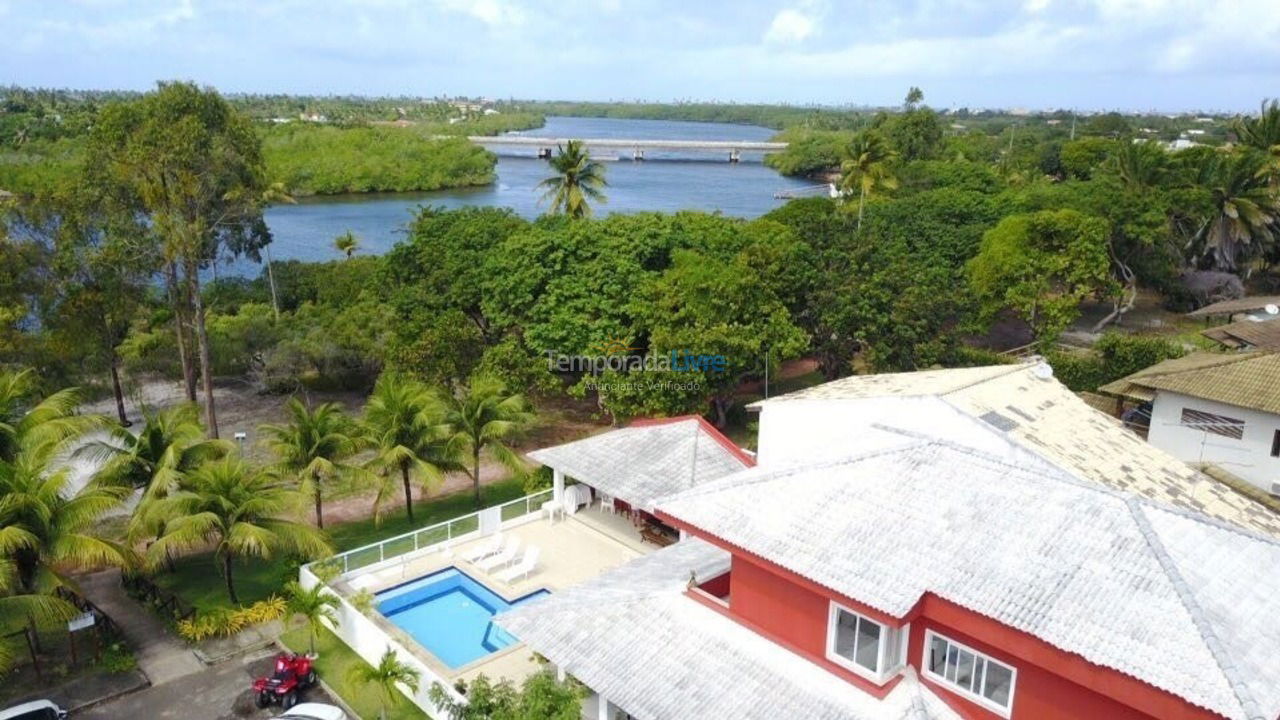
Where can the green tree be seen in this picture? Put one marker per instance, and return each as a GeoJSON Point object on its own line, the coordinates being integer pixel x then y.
{"type": "Point", "coordinates": [1081, 158]}
{"type": "Point", "coordinates": [867, 168]}
{"type": "Point", "coordinates": [1263, 133]}
{"type": "Point", "coordinates": [195, 166]}
{"type": "Point", "coordinates": [1042, 265]}
{"type": "Point", "coordinates": [238, 511]}
{"type": "Point", "coordinates": [347, 243]}
{"type": "Point", "coordinates": [577, 179]}
{"type": "Point", "coordinates": [24, 610]}
{"type": "Point", "coordinates": [1244, 221]}
{"type": "Point", "coordinates": [37, 425]}
{"type": "Point", "coordinates": [482, 416]}
{"type": "Point", "coordinates": [915, 96]}
{"type": "Point", "coordinates": [314, 606]}
{"type": "Point", "coordinates": [386, 678]}
{"type": "Point", "coordinates": [405, 424]}
{"type": "Point", "coordinates": [540, 697]}
{"type": "Point", "coordinates": [312, 447]}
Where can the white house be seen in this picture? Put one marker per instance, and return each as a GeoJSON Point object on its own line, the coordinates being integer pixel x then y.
{"type": "Point", "coordinates": [1212, 409]}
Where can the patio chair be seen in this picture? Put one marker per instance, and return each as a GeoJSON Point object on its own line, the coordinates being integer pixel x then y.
{"type": "Point", "coordinates": [606, 504]}
{"type": "Point", "coordinates": [492, 547]}
{"type": "Point", "coordinates": [522, 568]}
{"type": "Point", "coordinates": [493, 562]}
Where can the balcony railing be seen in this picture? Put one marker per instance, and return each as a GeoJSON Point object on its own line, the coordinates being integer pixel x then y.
{"type": "Point", "coordinates": [432, 535]}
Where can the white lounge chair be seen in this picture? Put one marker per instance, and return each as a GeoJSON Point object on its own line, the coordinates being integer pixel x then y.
{"type": "Point", "coordinates": [493, 562]}
{"type": "Point", "coordinates": [492, 547]}
{"type": "Point", "coordinates": [522, 568]}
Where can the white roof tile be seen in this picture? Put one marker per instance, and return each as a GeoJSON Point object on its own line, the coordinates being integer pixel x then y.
{"type": "Point", "coordinates": [643, 463]}
{"type": "Point", "coordinates": [632, 635]}
{"type": "Point", "coordinates": [1116, 579]}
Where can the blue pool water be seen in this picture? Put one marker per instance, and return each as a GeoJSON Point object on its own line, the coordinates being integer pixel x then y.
{"type": "Point", "coordinates": [450, 614]}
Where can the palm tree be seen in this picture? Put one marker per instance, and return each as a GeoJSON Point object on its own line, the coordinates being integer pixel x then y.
{"type": "Point", "coordinates": [1140, 165]}
{"type": "Point", "coordinates": [1245, 220]}
{"type": "Point", "coordinates": [1263, 133]}
{"type": "Point", "coordinates": [484, 416]}
{"type": "Point", "coordinates": [384, 677]}
{"type": "Point", "coordinates": [313, 606]}
{"type": "Point", "coordinates": [311, 447]}
{"type": "Point", "coordinates": [47, 527]}
{"type": "Point", "coordinates": [577, 178]}
{"type": "Point", "coordinates": [403, 422]}
{"type": "Point", "coordinates": [866, 168]}
{"type": "Point", "coordinates": [38, 425]}
{"type": "Point", "coordinates": [238, 511]}
{"type": "Point", "coordinates": [170, 444]}
{"type": "Point", "coordinates": [347, 243]}
{"type": "Point", "coordinates": [18, 610]}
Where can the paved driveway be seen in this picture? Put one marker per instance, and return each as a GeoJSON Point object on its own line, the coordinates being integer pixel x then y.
{"type": "Point", "coordinates": [220, 692]}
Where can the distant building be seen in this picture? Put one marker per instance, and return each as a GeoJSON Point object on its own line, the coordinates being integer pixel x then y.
{"type": "Point", "coordinates": [1219, 409]}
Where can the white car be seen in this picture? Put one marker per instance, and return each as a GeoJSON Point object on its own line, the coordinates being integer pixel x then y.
{"type": "Point", "coordinates": [309, 711]}
{"type": "Point", "coordinates": [36, 710]}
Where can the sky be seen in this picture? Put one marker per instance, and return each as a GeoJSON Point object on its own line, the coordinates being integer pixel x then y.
{"type": "Point", "coordinates": [1169, 55]}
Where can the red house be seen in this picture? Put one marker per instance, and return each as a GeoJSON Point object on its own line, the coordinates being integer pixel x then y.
{"type": "Point", "coordinates": [957, 574]}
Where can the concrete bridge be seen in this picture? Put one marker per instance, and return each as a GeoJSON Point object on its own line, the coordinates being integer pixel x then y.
{"type": "Point", "coordinates": [546, 145]}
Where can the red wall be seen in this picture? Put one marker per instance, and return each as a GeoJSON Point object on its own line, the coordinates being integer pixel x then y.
{"type": "Point", "coordinates": [1051, 684]}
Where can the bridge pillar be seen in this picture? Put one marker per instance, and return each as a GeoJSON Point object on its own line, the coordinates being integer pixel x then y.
{"type": "Point", "coordinates": [735, 155]}
{"type": "Point", "coordinates": [637, 154]}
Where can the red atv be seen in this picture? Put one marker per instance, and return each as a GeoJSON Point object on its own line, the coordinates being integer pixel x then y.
{"type": "Point", "coordinates": [292, 675]}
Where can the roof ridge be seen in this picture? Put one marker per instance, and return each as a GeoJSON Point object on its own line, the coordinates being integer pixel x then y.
{"type": "Point", "coordinates": [1227, 359]}
{"type": "Point", "coordinates": [1248, 705]}
{"type": "Point", "coordinates": [1012, 368]}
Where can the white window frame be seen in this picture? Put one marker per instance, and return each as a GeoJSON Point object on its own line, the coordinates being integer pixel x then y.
{"type": "Point", "coordinates": [889, 635]}
{"type": "Point", "coordinates": [976, 697]}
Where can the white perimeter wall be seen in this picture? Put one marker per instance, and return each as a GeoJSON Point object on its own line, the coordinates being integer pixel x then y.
{"type": "Point", "coordinates": [1248, 458]}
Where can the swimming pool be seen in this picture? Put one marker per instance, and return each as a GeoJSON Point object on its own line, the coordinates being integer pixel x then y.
{"type": "Point", "coordinates": [450, 614]}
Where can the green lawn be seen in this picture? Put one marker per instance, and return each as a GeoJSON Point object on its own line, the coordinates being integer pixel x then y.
{"type": "Point", "coordinates": [198, 580]}
{"type": "Point", "coordinates": [336, 660]}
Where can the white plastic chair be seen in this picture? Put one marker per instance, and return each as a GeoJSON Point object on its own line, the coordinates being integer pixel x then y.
{"type": "Point", "coordinates": [485, 550]}
{"type": "Point", "coordinates": [523, 568]}
{"type": "Point", "coordinates": [606, 504]}
{"type": "Point", "coordinates": [493, 562]}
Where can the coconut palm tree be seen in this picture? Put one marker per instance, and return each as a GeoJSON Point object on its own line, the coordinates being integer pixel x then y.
{"type": "Point", "coordinates": [313, 606]}
{"type": "Point", "coordinates": [485, 416]}
{"type": "Point", "coordinates": [18, 610]}
{"type": "Point", "coordinates": [238, 511]}
{"type": "Point", "coordinates": [38, 425]}
{"type": "Point", "coordinates": [403, 423]}
{"type": "Point", "coordinates": [347, 243]}
{"type": "Point", "coordinates": [1140, 165]}
{"type": "Point", "coordinates": [48, 527]}
{"type": "Point", "coordinates": [312, 446]}
{"type": "Point", "coordinates": [1245, 219]}
{"type": "Point", "coordinates": [384, 677]}
{"type": "Point", "coordinates": [866, 168]}
{"type": "Point", "coordinates": [577, 179]}
{"type": "Point", "coordinates": [169, 444]}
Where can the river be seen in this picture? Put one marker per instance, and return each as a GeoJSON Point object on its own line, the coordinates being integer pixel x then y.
{"type": "Point", "coordinates": [665, 181]}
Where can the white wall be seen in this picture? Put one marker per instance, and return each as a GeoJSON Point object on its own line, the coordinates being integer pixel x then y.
{"type": "Point", "coordinates": [1248, 458]}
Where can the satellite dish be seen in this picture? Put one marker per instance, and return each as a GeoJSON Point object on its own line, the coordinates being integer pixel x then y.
{"type": "Point", "coordinates": [1043, 370]}
{"type": "Point", "coordinates": [1272, 309]}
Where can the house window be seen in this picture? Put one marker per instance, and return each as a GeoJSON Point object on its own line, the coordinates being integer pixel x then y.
{"type": "Point", "coordinates": [1216, 424]}
{"type": "Point", "coordinates": [976, 676]}
{"type": "Point", "coordinates": [863, 645]}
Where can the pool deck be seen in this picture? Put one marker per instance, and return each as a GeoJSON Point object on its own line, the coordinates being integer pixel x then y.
{"type": "Point", "coordinates": [573, 549]}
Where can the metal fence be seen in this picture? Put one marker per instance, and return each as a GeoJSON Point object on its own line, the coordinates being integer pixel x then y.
{"type": "Point", "coordinates": [431, 535]}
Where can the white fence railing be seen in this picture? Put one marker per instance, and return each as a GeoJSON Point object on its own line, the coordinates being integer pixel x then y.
{"type": "Point", "coordinates": [442, 532]}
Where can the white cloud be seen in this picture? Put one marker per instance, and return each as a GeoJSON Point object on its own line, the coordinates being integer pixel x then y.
{"type": "Point", "coordinates": [789, 27]}
{"type": "Point", "coordinates": [493, 13]}
{"type": "Point", "coordinates": [1035, 6]}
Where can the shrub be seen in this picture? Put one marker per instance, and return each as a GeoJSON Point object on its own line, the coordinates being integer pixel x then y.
{"type": "Point", "coordinates": [1114, 356]}
{"type": "Point", "coordinates": [226, 621]}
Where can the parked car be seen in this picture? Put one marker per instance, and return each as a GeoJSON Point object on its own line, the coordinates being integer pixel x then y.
{"type": "Point", "coordinates": [313, 711]}
{"type": "Point", "coordinates": [34, 710]}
